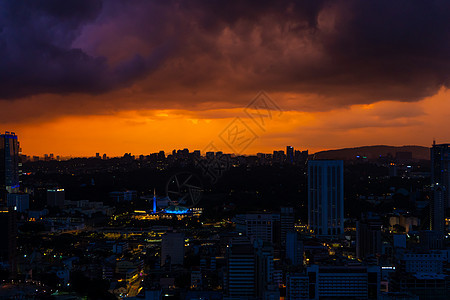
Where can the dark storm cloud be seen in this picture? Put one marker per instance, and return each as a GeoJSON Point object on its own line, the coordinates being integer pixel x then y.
{"type": "Point", "coordinates": [37, 56]}
{"type": "Point", "coordinates": [346, 51]}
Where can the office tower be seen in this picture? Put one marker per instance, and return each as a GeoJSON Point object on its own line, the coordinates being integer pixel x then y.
{"type": "Point", "coordinates": [294, 249]}
{"type": "Point", "coordinates": [56, 197]}
{"type": "Point", "coordinates": [8, 236]}
{"type": "Point", "coordinates": [430, 240]}
{"type": "Point", "coordinates": [172, 248]}
{"type": "Point", "coordinates": [286, 221]}
{"type": "Point", "coordinates": [297, 287]}
{"type": "Point", "coordinates": [9, 164]}
{"type": "Point", "coordinates": [21, 202]}
{"type": "Point", "coordinates": [440, 183]}
{"type": "Point", "coordinates": [241, 270]}
{"type": "Point", "coordinates": [326, 197]}
{"type": "Point", "coordinates": [368, 236]}
{"type": "Point", "coordinates": [289, 154]}
{"type": "Point", "coordinates": [344, 282]}
{"type": "Point", "coordinates": [256, 226]}
{"type": "Point", "coordinates": [265, 284]}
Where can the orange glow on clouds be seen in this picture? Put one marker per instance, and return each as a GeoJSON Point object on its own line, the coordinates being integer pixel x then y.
{"type": "Point", "coordinates": [147, 131]}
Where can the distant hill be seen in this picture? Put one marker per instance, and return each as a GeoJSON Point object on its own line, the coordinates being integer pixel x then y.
{"type": "Point", "coordinates": [373, 152]}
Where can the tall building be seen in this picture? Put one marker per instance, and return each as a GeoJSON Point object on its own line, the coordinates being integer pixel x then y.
{"type": "Point", "coordinates": [297, 287]}
{"type": "Point", "coordinates": [9, 164]}
{"type": "Point", "coordinates": [8, 236]}
{"type": "Point", "coordinates": [257, 226]}
{"type": "Point", "coordinates": [286, 221]}
{"type": "Point", "coordinates": [368, 237]}
{"type": "Point", "coordinates": [241, 271]}
{"type": "Point", "coordinates": [344, 282]}
{"type": "Point", "coordinates": [56, 197]}
{"type": "Point", "coordinates": [326, 197]}
{"type": "Point", "coordinates": [265, 283]}
{"type": "Point", "coordinates": [294, 248]}
{"type": "Point", "coordinates": [172, 248]}
{"type": "Point", "coordinates": [20, 202]}
{"type": "Point", "coordinates": [440, 183]}
{"type": "Point", "coordinates": [289, 154]}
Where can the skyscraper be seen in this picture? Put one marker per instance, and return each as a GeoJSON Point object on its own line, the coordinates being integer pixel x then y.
{"type": "Point", "coordinates": [289, 154]}
{"type": "Point", "coordinates": [56, 197]}
{"type": "Point", "coordinates": [8, 236]}
{"type": "Point", "coordinates": [9, 164]}
{"type": "Point", "coordinates": [294, 248]}
{"type": "Point", "coordinates": [287, 220]}
{"type": "Point", "coordinates": [241, 270]}
{"type": "Point", "coordinates": [326, 197]}
{"type": "Point", "coordinates": [440, 183]}
{"type": "Point", "coordinates": [368, 236]}
{"type": "Point", "coordinates": [172, 248]}
{"type": "Point", "coordinates": [257, 226]}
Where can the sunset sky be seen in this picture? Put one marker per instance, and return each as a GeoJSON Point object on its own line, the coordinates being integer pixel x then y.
{"type": "Point", "coordinates": [84, 76]}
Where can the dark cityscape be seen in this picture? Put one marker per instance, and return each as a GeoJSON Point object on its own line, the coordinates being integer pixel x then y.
{"type": "Point", "coordinates": [224, 150]}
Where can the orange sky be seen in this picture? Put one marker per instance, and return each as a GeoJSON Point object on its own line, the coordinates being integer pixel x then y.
{"type": "Point", "coordinates": [147, 131]}
{"type": "Point", "coordinates": [114, 77]}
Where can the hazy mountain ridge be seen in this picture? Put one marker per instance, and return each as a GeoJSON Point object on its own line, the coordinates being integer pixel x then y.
{"type": "Point", "coordinates": [372, 152]}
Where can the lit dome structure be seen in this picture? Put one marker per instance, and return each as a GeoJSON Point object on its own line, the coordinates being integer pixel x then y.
{"type": "Point", "coordinates": [177, 210]}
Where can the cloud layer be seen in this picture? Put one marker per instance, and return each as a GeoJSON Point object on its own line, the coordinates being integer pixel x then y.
{"type": "Point", "coordinates": [347, 52]}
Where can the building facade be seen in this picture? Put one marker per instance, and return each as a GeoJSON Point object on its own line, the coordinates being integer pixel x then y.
{"type": "Point", "coordinates": [9, 164]}
{"type": "Point", "coordinates": [326, 197]}
{"type": "Point", "coordinates": [440, 183]}
{"type": "Point", "coordinates": [344, 282]}
{"type": "Point", "coordinates": [172, 248]}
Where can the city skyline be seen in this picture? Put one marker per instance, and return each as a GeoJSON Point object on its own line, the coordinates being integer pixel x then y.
{"type": "Point", "coordinates": [96, 76]}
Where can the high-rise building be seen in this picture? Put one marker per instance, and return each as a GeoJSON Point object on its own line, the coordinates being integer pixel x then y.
{"type": "Point", "coordinates": [344, 282]}
{"type": "Point", "coordinates": [9, 164]}
{"type": "Point", "coordinates": [256, 226]}
{"type": "Point", "coordinates": [172, 248]}
{"type": "Point", "coordinates": [368, 237]}
{"type": "Point", "coordinates": [56, 197]}
{"type": "Point", "coordinates": [265, 283]}
{"type": "Point", "coordinates": [294, 249]}
{"type": "Point", "coordinates": [286, 221]}
{"type": "Point", "coordinates": [297, 287]}
{"type": "Point", "coordinates": [326, 197]}
{"type": "Point", "coordinates": [21, 202]}
{"type": "Point", "coordinates": [440, 183]}
{"type": "Point", "coordinates": [289, 154]}
{"type": "Point", "coordinates": [241, 271]}
{"type": "Point", "coordinates": [8, 236]}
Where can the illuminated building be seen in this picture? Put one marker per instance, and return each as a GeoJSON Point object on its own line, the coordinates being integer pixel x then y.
{"type": "Point", "coordinates": [177, 210]}
{"type": "Point", "coordinates": [9, 164]}
{"type": "Point", "coordinates": [440, 183]}
{"type": "Point", "coordinates": [154, 201]}
{"type": "Point", "coordinates": [326, 197]}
